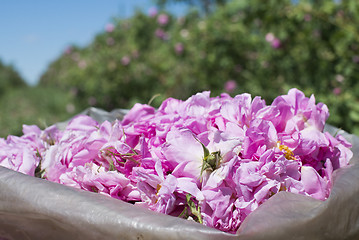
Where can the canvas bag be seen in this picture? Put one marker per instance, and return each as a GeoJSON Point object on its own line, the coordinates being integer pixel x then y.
{"type": "Point", "coordinates": [33, 208]}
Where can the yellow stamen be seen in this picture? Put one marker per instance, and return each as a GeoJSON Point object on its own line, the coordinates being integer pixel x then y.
{"type": "Point", "coordinates": [287, 152]}
{"type": "Point", "coordinates": [158, 188]}
{"type": "Point", "coordinates": [283, 188]}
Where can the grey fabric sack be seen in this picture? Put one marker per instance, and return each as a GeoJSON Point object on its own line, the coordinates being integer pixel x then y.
{"type": "Point", "coordinates": [33, 208]}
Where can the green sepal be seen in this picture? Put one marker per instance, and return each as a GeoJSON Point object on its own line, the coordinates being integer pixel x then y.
{"type": "Point", "coordinates": [39, 173]}
{"type": "Point", "coordinates": [205, 149]}
{"type": "Point", "coordinates": [196, 211]}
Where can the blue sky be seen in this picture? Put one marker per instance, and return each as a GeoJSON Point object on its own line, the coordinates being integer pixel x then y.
{"type": "Point", "coordinates": [34, 33]}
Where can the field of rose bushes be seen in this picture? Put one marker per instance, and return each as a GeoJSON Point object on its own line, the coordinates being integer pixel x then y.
{"type": "Point", "coordinates": [262, 48]}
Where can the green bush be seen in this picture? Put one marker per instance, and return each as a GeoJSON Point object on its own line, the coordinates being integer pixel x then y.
{"type": "Point", "coordinates": [9, 78]}
{"type": "Point", "coordinates": [42, 106]}
{"type": "Point", "coordinates": [260, 47]}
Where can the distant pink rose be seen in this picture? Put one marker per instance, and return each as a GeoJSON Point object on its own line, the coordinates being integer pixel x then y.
{"type": "Point", "coordinates": [152, 12]}
{"type": "Point", "coordinates": [160, 33]}
{"type": "Point", "coordinates": [230, 86]}
{"type": "Point", "coordinates": [68, 50]}
{"type": "Point", "coordinates": [276, 43]}
{"type": "Point", "coordinates": [125, 60]}
{"type": "Point", "coordinates": [109, 27]}
{"type": "Point", "coordinates": [270, 37]}
{"type": "Point", "coordinates": [162, 19]}
{"type": "Point", "coordinates": [273, 40]}
{"type": "Point", "coordinates": [337, 91]}
{"type": "Point", "coordinates": [179, 48]}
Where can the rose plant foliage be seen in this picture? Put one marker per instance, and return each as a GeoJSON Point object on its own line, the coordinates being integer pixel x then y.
{"type": "Point", "coordinates": [213, 160]}
{"type": "Point", "coordinates": [261, 47]}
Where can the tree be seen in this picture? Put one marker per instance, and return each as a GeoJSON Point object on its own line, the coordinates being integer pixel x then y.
{"type": "Point", "coordinates": [9, 78]}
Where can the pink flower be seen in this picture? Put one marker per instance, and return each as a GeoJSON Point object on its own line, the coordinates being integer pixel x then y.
{"type": "Point", "coordinates": [138, 111]}
{"type": "Point", "coordinates": [68, 50]}
{"type": "Point", "coordinates": [230, 86]}
{"type": "Point", "coordinates": [109, 27]}
{"type": "Point", "coordinates": [184, 152]}
{"type": "Point", "coordinates": [179, 48]}
{"type": "Point", "coordinates": [273, 40]}
{"type": "Point", "coordinates": [161, 34]}
{"type": "Point", "coordinates": [260, 136]}
{"type": "Point", "coordinates": [18, 156]}
{"type": "Point", "coordinates": [219, 210]}
{"type": "Point", "coordinates": [152, 12]}
{"type": "Point", "coordinates": [303, 111]}
{"type": "Point", "coordinates": [276, 43]}
{"type": "Point", "coordinates": [241, 110]}
{"type": "Point", "coordinates": [337, 91]}
{"type": "Point", "coordinates": [270, 37]}
{"type": "Point", "coordinates": [23, 154]}
{"type": "Point", "coordinates": [125, 60]}
{"type": "Point", "coordinates": [162, 19]}
{"type": "Point", "coordinates": [313, 184]}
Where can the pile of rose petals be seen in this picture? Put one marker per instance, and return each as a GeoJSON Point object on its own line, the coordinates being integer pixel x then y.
{"type": "Point", "coordinates": [213, 160]}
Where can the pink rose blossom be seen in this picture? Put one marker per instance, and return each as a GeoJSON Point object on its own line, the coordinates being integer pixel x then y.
{"type": "Point", "coordinates": [160, 33]}
{"type": "Point", "coordinates": [337, 91]}
{"type": "Point", "coordinates": [276, 43]}
{"type": "Point", "coordinates": [179, 48]}
{"type": "Point", "coordinates": [68, 50]}
{"type": "Point", "coordinates": [273, 40]}
{"type": "Point", "coordinates": [230, 86]}
{"type": "Point", "coordinates": [109, 27]}
{"type": "Point", "coordinates": [152, 12]}
{"type": "Point", "coordinates": [270, 37]}
{"type": "Point", "coordinates": [162, 19]}
{"type": "Point", "coordinates": [125, 60]}
{"type": "Point", "coordinates": [214, 160]}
